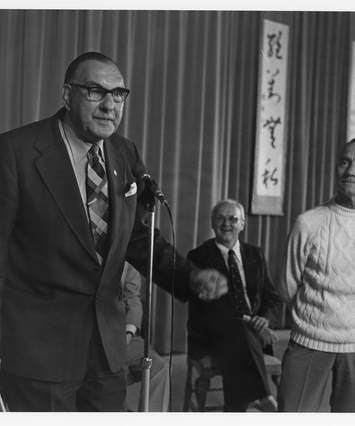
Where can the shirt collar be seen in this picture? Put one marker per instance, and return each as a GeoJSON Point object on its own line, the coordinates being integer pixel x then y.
{"type": "Point", "coordinates": [78, 148]}
{"type": "Point", "coordinates": [225, 250]}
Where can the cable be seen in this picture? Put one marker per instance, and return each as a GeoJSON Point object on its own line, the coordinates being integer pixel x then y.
{"type": "Point", "coordinates": [172, 306]}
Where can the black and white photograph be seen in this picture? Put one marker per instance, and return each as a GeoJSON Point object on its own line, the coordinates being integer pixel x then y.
{"type": "Point", "coordinates": [177, 211]}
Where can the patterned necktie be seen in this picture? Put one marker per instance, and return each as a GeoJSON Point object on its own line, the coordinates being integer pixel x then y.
{"type": "Point", "coordinates": [237, 289]}
{"type": "Point", "coordinates": [97, 200]}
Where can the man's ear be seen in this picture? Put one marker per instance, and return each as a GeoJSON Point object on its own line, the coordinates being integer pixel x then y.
{"type": "Point", "coordinates": [66, 96]}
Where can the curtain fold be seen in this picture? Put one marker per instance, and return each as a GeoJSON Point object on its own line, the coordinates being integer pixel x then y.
{"type": "Point", "coordinates": [193, 77]}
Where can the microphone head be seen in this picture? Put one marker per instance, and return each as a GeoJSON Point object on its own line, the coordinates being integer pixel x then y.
{"type": "Point", "coordinates": [152, 186]}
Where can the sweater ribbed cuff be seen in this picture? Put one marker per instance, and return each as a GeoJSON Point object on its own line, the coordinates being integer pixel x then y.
{"type": "Point", "coordinates": [322, 346]}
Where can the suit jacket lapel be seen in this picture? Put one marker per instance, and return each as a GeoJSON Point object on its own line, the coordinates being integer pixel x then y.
{"type": "Point", "coordinates": [57, 172]}
{"type": "Point", "coordinates": [217, 259]}
{"type": "Point", "coordinates": [250, 271]}
{"type": "Point", "coordinates": [117, 169]}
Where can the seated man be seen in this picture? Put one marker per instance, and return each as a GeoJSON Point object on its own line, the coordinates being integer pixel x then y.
{"type": "Point", "coordinates": [159, 373]}
{"type": "Point", "coordinates": [234, 329]}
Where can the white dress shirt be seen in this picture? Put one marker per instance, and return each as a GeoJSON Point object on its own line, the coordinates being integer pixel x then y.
{"type": "Point", "coordinates": [78, 151]}
{"type": "Point", "coordinates": [236, 249]}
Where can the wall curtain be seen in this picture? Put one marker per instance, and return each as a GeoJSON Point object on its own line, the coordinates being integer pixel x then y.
{"type": "Point", "coordinates": [192, 109]}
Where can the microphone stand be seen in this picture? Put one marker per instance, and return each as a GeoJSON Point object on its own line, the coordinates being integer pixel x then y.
{"type": "Point", "coordinates": [146, 360]}
{"type": "Point", "coordinates": [2, 405]}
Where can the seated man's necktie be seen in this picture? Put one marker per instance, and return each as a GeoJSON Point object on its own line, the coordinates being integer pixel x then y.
{"type": "Point", "coordinates": [237, 290]}
{"type": "Point", "coordinates": [97, 200]}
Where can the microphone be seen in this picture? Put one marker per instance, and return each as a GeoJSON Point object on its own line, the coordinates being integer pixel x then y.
{"type": "Point", "coordinates": [153, 187]}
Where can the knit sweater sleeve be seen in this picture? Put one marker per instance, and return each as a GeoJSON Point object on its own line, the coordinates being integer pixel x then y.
{"type": "Point", "coordinates": [294, 259]}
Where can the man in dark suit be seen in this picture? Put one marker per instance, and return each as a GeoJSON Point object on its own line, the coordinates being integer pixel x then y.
{"type": "Point", "coordinates": [233, 329]}
{"type": "Point", "coordinates": [69, 218]}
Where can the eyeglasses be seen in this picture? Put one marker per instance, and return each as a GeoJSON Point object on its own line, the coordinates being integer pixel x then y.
{"type": "Point", "coordinates": [232, 219]}
{"type": "Point", "coordinates": [98, 93]}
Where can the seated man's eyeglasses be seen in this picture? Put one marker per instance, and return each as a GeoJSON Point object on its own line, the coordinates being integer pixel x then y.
{"type": "Point", "coordinates": [231, 219]}
{"type": "Point", "coordinates": [98, 93]}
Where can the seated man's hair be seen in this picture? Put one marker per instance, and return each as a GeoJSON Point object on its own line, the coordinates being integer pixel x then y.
{"type": "Point", "coordinates": [230, 201]}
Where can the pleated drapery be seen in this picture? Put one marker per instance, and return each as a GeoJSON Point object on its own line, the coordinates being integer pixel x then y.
{"type": "Point", "coordinates": [192, 109]}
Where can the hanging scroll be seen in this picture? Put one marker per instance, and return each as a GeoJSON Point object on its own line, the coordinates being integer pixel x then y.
{"type": "Point", "coordinates": [351, 100]}
{"type": "Point", "coordinates": [270, 147]}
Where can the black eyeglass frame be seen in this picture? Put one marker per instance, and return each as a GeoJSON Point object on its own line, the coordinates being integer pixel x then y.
{"type": "Point", "coordinates": [232, 219]}
{"type": "Point", "coordinates": [123, 92]}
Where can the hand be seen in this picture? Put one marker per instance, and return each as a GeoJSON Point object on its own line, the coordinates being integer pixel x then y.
{"type": "Point", "coordinates": [259, 323]}
{"type": "Point", "coordinates": [129, 338]}
{"type": "Point", "coordinates": [267, 336]}
{"type": "Point", "coordinates": [209, 284]}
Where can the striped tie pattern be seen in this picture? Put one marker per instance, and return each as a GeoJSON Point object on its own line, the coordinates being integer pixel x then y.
{"type": "Point", "coordinates": [236, 285]}
{"type": "Point", "coordinates": [97, 200]}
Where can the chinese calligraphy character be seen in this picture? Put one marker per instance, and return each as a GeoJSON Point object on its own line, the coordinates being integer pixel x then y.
{"type": "Point", "coordinates": [271, 124]}
{"type": "Point", "coordinates": [269, 176]}
{"type": "Point", "coordinates": [270, 86]}
{"type": "Point", "coordinates": [274, 45]}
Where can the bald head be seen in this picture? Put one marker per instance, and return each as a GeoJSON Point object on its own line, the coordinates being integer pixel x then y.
{"type": "Point", "coordinates": [70, 74]}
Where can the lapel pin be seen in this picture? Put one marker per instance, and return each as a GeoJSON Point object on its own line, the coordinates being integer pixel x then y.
{"type": "Point", "coordinates": [115, 173]}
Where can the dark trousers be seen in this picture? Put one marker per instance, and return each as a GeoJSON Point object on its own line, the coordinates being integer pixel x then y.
{"type": "Point", "coordinates": [243, 371]}
{"type": "Point", "coordinates": [314, 381]}
{"type": "Point", "coordinates": [239, 355]}
{"type": "Point", "coordinates": [99, 390]}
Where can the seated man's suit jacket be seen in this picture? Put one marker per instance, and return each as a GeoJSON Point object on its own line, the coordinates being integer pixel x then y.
{"type": "Point", "coordinates": [132, 282]}
{"type": "Point", "coordinates": [206, 320]}
{"type": "Point", "coordinates": [52, 287]}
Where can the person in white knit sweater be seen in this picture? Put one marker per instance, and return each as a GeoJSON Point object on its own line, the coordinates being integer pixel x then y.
{"type": "Point", "coordinates": [318, 282]}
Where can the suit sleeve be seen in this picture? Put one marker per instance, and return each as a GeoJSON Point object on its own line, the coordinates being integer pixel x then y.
{"type": "Point", "coordinates": [173, 277]}
{"type": "Point", "coordinates": [195, 259]}
{"type": "Point", "coordinates": [8, 201]}
{"type": "Point", "coordinates": [132, 296]}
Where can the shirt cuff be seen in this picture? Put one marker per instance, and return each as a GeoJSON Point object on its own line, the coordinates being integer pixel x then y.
{"type": "Point", "coordinates": [131, 329]}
